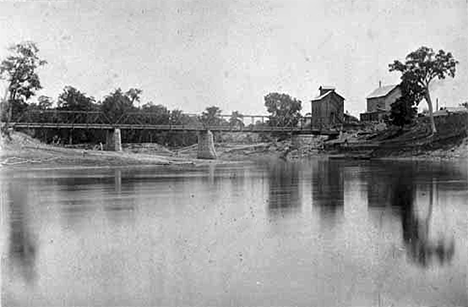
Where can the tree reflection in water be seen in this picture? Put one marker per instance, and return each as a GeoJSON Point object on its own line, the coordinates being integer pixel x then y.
{"type": "Point", "coordinates": [328, 190]}
{"type": "Point", "coordinates": [420, 247]}
{"type": "Point", "coordinates": [284, 197]}
{"type": "Point", "coordinates": [22, 245]}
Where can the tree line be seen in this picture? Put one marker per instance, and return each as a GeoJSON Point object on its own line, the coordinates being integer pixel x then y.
{"type": "Point", "coordinates": [19, 70]}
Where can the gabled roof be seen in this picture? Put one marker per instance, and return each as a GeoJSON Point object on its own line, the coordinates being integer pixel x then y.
{"type": "Point", "coordinates": [324, 95]}
{"type": "Point", "coordinates": [382, 91]}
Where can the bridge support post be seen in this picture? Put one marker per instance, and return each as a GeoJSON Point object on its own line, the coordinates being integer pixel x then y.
{"type": "Point", "coordinates": [206, 148]}
{"type": "Point", "coordinates": [113, 140]}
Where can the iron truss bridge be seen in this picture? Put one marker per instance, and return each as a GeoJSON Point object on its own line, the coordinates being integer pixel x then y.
{"type": "Point", "coordinates": [53, 119]}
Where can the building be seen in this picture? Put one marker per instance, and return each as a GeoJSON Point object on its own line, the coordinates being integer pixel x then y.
{"type": "Point", "coordinates": [444, 111]}
{"type": "Point", "coordinates": [327, 108]}
{"type": "Point", "coordinates": [379, 102]}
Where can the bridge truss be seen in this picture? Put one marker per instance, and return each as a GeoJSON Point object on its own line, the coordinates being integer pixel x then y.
{"type": "Point", "coordinates": [54, 119]}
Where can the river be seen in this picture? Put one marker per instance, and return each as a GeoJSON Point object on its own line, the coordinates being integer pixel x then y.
{"type": "Point", "coordinates": [272, 233]}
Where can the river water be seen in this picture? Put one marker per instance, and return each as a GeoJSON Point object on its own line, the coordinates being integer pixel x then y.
{"type": "Point", "coordinates": [272, 233]}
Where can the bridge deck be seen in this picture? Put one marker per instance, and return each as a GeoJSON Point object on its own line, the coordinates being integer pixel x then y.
{"type": "Point", "coordinates": [296, 130]}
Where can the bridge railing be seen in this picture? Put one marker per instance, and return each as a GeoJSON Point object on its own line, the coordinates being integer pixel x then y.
{"type": "Point", "coordinates": [164, 121]}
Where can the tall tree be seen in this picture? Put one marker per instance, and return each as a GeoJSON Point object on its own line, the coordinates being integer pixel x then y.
{"type": "Point", "coordinates": [20, 72]}
{"type": "Point", "coordinates": [421, 67]}
{"type": "Point", "coordinates": [284, 109]}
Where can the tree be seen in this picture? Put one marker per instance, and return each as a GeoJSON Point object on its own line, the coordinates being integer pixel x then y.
{"type": "Point", "coordinates": [211, 116]}
{"type": "Point", "coordinates": [421, 67]}
{"type": "Point", "coordinates": [19, 70]}
{"type": "Point", "coordinates": [402, 112]}
{"type": "Point", "coordinates": [117, 104]}
{"type": "Point", "coordinates": [160, 115]}
{"type": "Point", "coordinates": [404, 109]}
{"type": "Point", "coordinates": [44, 102]}
{"type": "Point", "coordinates": [236, 119]}
{"type": "Point", "coordinates": [464, 104]}
{"type": "Point", "coordinates": [284, 110]}
{"type": "Point", "coordinates": [134, 94]}
{"type": "Point", "coordinates": [72, 99]}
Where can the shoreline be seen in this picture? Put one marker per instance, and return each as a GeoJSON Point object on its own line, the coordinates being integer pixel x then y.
{"type": "Point", "coordinates": [25, 152]}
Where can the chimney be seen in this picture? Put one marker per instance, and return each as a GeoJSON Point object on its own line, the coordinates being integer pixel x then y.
{"type": "Point", "coordinates": [325, 89]}
{"type": "Point", "coordinates": [380, 84]}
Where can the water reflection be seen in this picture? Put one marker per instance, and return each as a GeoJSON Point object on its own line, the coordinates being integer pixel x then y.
{"type": "Point", "coordinates": [421, 247]}
{"type": "Point", "coordinates": [238, 235]}
{"type": "Point", "coordinates": [118, 181]}
{"type": "Point", "coordinates": [328, 189]}
{"type": "Point", "coordinates": [121, 209]}
{"type": "Point", "coordinates": [22, 244]}
{"type": "Point", "coordinates": [283, 188]}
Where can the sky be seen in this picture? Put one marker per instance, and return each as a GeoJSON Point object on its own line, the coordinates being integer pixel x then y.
{"type": "Point", "coordinates": [191, 54]}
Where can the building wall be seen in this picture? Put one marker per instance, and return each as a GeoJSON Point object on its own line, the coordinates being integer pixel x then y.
{"type": "Point", "coordinates": [328, 111]}
{"type": "Point", "coordinates": [373, 116]}
{"type": "Point", "coordinates": [373, 104]}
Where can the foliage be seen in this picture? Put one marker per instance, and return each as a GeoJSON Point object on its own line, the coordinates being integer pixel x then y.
{"type": "Point", "coordinates": [19, 71]}
{"type": "Point", "coordinates": [404, 110]}
{"type": "Point", "coordinates": [284, 110]}
{"type": "Point", "coordinates": [117, 104]}
{"type": "Point", "coordinates": [211, 116]}
{"type": "Point", "coordinates": [420, 68]}
{"type": "Point", "coordinates": [160, 115]}
{"type": "Point", "coordinates": [236, 120]}
{"type": "Point", "coordinates": [464, 104]}
{"type": "Point", "coordinates": [72, 99]}
{"type": "Point", "coordinates": [44, 102]}
{"type": "Point", "coordinates": [134, 94]}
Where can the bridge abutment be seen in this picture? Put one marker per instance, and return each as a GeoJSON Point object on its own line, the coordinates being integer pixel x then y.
{"type": "Point", "coordinates": [113, 140]}
{"type": "Point", "coordinates": [206, 148]}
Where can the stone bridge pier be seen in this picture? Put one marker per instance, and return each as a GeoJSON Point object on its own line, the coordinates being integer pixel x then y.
{"type": "Point", "coordinates": [206, 148]}
{"type": "Point", "coordinates": [113, 140]}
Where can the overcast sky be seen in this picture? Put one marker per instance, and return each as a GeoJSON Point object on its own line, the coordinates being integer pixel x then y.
{"type": "Point", "coordinates": [190, 54]}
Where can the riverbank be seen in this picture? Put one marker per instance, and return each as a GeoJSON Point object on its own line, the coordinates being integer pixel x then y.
{"type": "Point", "coordinates": [25, 151]}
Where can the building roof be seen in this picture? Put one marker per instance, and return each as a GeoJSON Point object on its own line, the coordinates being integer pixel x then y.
{"type": "Point", "coordinates": [448, 110]}
{"type": "Point", "coordinates": [382, 91]}
{"type": "Point", "coordinates": [324, 95]}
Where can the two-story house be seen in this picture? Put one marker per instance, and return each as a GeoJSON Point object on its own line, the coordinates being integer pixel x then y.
{"type": "Point", "coordinates": [379, 102]}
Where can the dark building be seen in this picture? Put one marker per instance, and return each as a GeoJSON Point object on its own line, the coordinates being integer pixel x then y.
{"type": "Point", "coordinates": [379, 102]}
{"type": "Point", "coordinates": [328, 108]}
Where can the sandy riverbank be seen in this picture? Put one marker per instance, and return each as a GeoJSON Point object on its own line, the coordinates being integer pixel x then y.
{"type": "Point", "coordinates": [24, 151]}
